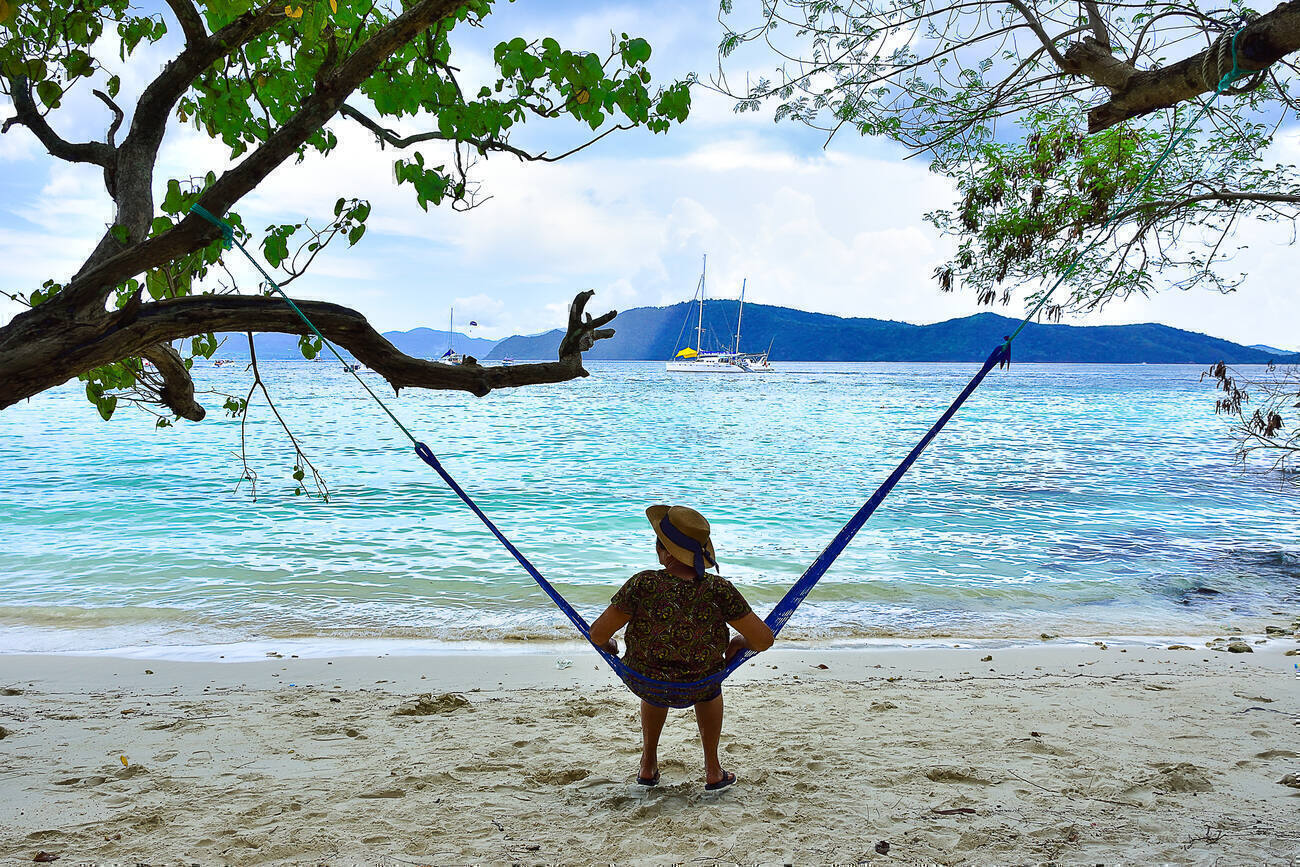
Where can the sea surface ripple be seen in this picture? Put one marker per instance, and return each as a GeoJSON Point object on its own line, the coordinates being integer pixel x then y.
{"type": "Point", "coordinates": [1076, 499]}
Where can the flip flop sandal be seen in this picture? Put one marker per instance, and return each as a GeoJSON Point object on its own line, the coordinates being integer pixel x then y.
{"type": "Point", "coordinates": [727, 779]}
{"type": "Point", "coordinates": [648, 781]}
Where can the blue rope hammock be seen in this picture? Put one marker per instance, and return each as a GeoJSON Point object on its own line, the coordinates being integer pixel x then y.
{"type": "Point", "coordinates": [677, 694]}
{"type": "Point", "coordinates": [674, 693]}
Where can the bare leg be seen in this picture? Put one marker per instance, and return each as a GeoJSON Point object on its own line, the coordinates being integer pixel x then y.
{"type": "Point", "coordinates": [652, 725]}
{"type": "Point", "coordinates": [708, 716]}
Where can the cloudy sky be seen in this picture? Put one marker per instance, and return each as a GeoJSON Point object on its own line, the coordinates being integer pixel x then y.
{"type": "Point", "coordinates": [836, 230]}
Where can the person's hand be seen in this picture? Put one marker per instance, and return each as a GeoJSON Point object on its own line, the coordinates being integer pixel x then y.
{"type": "Point", "coordinates": [611, 647]}
{"type": "Point", "coordinates": [736, 645]}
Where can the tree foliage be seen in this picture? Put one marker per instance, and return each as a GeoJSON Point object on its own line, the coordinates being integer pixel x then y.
{"type": "Point", "coordinates": [274, 82]}
{"type": "Point", "coordinates": [1046, 115]}
{"type": "Point", "coordinates": [1051, 118]}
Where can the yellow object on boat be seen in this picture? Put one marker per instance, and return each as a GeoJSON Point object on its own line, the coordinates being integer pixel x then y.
{"type": "Point", "coordinates": [687, 353]}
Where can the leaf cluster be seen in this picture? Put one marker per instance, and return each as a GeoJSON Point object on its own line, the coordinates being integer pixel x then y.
{"type": "Point", "coordinates": [261, 89]}
{"type": "Point", "coordinates": [991, 94]}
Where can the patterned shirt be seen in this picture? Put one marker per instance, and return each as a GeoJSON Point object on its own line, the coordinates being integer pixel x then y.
{"type": "Point", "coordinates": [678, 627]}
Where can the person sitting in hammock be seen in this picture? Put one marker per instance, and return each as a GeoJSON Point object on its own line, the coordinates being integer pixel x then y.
{"type": "Point", "coordinates": [676, 620]}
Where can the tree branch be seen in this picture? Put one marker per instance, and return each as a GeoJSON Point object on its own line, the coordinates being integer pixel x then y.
{"type": "Point", "coordinates": [387, 135]}
{"type": "Point", "coordinates": [1219, 196]}
{"type": "Point", "coordinates": [37, 354]}
{"type": "Point", "coordinates": [190, 20]}
{"type": "Point", "coordinates": [1098, 23]}
{"type": "Point", "coordinates": [118, 116]}
{"type": "Point", "coordinates": [1093, 60]}
{"type": "Point", "coordinates": [131, 177]}
{"type": "Point", "coordinates": [27, 114]}
{"type": "Point", "coordinates": [1264, 41]}
{"type": "Point", "coordinates": [177, 392]}
{"type": "Point", "coordinates": [1034, 24]}
{"type": "Point", "coordinates": [92, 285]}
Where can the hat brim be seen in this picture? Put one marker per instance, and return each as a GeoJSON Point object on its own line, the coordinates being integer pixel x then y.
{"type": "Point", "coordinates": [655, 515]}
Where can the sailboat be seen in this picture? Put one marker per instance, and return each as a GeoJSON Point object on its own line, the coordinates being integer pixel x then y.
{"type": "Point", "coordinates": [699, 360]}
{"type": "Point", "coordinates": [451, 356]}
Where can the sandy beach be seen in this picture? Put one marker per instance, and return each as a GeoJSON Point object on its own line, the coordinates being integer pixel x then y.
{"type": "Point", "coordinates": [1128, 753]}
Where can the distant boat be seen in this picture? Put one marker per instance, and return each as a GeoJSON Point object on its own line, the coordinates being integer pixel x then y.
{"type": "Point", "coordinates": [700, 360]}
{"type": "Point", "coordinates": [507, 361]}
{"type": "Point", "coordinates": [451, 356]}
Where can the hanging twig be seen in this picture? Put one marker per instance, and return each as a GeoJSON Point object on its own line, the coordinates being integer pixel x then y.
{"type": "Point", "coordinates": [302, 464]}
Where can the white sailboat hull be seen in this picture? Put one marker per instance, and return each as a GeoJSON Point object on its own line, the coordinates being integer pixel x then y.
{"type": "Point", "coordinates": [740, 365]}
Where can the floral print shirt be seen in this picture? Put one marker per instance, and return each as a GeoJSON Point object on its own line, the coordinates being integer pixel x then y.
{"type": "Point", "coordinates": [678, 627]}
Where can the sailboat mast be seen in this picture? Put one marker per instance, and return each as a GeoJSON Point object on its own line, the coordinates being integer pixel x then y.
{"type": "Point", "coordinates": [451, 325]}
{"type": "Point", "coordinates": [699, 327]}
{"type": "Point", "coordinates": [740, 313]}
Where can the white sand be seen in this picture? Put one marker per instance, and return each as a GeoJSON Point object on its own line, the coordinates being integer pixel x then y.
{"type": "Point", "coordinates": [1067, 755]}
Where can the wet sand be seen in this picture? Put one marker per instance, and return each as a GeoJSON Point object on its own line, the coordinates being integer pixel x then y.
{"type": "Point", "coordinates": [1126, 754]}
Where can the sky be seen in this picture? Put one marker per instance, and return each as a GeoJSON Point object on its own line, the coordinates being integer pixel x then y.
{"type": "Point", "coordinates": [835, 229]}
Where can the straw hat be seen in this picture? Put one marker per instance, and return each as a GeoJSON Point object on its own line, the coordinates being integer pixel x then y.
{"type": "Point", "coordinates": [685, 533]}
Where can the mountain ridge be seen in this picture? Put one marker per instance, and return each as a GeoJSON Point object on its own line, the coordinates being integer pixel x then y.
{"type": "Point", "coordinates": [655, 334]}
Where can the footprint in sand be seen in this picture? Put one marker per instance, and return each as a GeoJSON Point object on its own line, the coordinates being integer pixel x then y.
{"type": "Point", "coordinates": [952, 774]}
{"type": "Point", "coordinates": [560, 776]}
{"type": "Point", "coordinates": [1182, 777]}
{"type": "Point", "coordinates": [581, 707]}
{"type": "Point", "coordinates": [88, 782]}
{"type": "Point", "coordinates": [383, 793]}
{"type": "Point", "coordinates": [427, 704]}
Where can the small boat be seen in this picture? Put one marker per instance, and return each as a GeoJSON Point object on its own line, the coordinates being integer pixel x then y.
{"type": "Point", "coordinates": [451, 356]}
{"type": "Point", "coordinates": [699, 360]}
{"type": "Point", "coordinates": [507, 361]}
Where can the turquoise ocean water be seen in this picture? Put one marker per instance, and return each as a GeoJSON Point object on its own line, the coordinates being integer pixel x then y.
{"type": "Point", "coordinates": [1074, 499]}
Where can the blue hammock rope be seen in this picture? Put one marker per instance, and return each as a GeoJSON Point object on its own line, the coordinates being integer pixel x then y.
{"type": "Point", "coordinates": [680, 694]}
{"type": "Point", "coordinates": [672, 693]}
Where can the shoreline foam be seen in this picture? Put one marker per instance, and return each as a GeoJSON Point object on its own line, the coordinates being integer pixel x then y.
{"type": "Point", "coordinates": [255, 650]}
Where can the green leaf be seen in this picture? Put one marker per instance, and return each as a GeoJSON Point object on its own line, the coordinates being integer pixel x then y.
{"type": "Point", "coordinates": [77, 63]}
{"type": "Point", "coordinates": [49, 92]}
{"type": "Point", "coordinates": [106, 405]}
{"type": "Point", "coordinates": [636, 51]}
{"type": "Point", "coordinates": [174, 200]}
{"type": "Point", "coordinates": [310, 346]}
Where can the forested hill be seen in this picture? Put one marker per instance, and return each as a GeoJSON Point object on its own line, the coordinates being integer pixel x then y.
{"type": "Point", "coordinates": [653, 333]}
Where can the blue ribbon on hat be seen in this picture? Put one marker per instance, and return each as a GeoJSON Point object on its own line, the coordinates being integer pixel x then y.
{"type": "Point", "coordinates": [677, 537]}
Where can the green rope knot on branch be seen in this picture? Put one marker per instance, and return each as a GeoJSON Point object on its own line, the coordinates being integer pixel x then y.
{"type": "Point", "coordinates": [227, 231]}
{"type": "Point", "coordinates": [1220, 64]}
